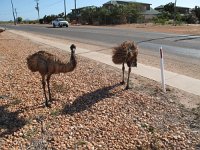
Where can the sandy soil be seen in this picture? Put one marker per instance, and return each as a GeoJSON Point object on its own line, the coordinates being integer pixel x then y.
{"type": "Point", "coordinates": [90, 109]}
{"type": "Point", "coordinates": [193, 29]}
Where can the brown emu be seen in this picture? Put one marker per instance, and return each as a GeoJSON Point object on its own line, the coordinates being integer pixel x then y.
{"type": "Point", "coordinates": [126, 53]}
{"type": "Point", "coordinates": [47, 64]}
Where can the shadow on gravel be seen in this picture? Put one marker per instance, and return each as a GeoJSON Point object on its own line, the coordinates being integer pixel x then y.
{"type": "Point", "coordinates": [85, 101]}
{"type": "Point", "coordinates": [9, 121]}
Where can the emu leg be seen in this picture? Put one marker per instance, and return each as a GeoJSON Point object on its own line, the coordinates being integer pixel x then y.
{"type": "Point", "coordinates": [48, 79]}
{"type": "Point", "coordinates": [123, 68]}
{"type": "Point", "coordinates": [129, 71]}
{"type": "Point", "coordinates": [43, 86]}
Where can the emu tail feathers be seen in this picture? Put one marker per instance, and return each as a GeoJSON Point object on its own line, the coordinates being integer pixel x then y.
{"type": "Point", "coordinates": [119, 55]}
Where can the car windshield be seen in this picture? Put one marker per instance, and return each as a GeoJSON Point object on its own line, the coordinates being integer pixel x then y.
{"type": "Point", "coordinates": [61, 19]}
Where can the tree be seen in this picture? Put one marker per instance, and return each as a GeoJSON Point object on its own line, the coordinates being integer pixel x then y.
{"type": "Point", "coordinates": [115, 12]}
{"type": "Point", "coordinates": [87, 15]}
{"type": "Point", "coordinates": [61, 15]}
{"type": "Point", "coordinates": [190, 18]}
{"type": "Point", "coordinates": [131, 13]}
{"type": "Point", "coordinates": [196, 10]}
{"type": "Point", "coordinates": [167, 14]}
{"type": "Point", "coordinates": [102, 15]}
{"type": "Point", "coordinates": [48, 19]}
{"type": "Point", "coordinates": [19, 19]}
{"type": "Point", "coordinates": [169, 7]}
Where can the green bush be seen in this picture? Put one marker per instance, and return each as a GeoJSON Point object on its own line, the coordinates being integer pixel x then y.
{"type": "Point", "coordinates": [159, 21]}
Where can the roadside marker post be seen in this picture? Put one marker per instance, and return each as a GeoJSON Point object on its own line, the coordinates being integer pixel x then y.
{"type": "Point", "coordinates": [162, 69]}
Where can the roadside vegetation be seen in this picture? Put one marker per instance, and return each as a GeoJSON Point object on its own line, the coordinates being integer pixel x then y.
{"type": "Point", "coordinates": [121, 14]}
{"type": "Point", "coordinates": [168, 15]}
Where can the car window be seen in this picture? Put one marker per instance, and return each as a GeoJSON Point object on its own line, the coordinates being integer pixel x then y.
{"type": "Point", "coordinates": [60, 19]}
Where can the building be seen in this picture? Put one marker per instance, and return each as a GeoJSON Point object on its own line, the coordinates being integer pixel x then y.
{"type": "Point", "coordinates": [179, 9]}
{"type": "Point", "coordinates": [150, 14]}
{"type": "Point", "coordinates": [141, 6]}
{"type": "Point", "coordinates": [76, 13]}
{"type": "Point", "coordinates": [147, 13]}
{"type": "Point", "coordinates": [145, 9]}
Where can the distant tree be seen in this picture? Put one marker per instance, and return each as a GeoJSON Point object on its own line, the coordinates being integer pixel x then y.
{"type": "Point", "coordinates": [196, 11]}
{"type": "Point", "coordinates": [190, 18]}
{"type": "Point", "coordinates": [167, 14]}
{"type": "Point", "coordinates": [88, 14]}
{"type": "Point", "coordinates": [117, 14]}
{"type": "Point", "coordinates": [19, 19]}
{"type": "Point", "coordinates": [41, 21]}
{"type": "Point", "coordinates": [48, 19]}
{"type": "Point", "coordinates": [169, 8]}
{"type": "Point", "coordinates": [131, 13]}
{"type": "Point", "coordinates": [102, 15]}
{"type": "Point", "coordinates": [61, 15]}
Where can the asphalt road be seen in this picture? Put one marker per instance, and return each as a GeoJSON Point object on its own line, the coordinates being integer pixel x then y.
{"type": "Point", "coordinates": [187, 46]}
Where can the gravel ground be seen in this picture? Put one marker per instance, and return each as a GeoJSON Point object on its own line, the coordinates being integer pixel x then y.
{"type": "Point", "coordinates": [90, 109]}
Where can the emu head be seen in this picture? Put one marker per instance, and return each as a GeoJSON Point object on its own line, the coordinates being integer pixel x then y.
{"type": "Point", "coordinates": [132, 50]}
{"type": "Point", "coordinates": [73, 48]}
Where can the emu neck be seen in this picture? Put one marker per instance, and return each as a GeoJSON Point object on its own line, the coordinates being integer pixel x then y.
{"type": "Point", "coordinates": [71, 65]}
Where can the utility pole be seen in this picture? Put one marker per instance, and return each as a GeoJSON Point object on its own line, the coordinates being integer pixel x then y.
{"type": "Point", "coordinates": [13, 12]}
{"type": "Point", "coordinates": [37, 8]}
{"type": "Point", "coordinates": [75, 10]}
{"type": "Point", "coordinates": [65, 9]}
{"type": "Point", "coordinates": [16, 15]}
{"type": "Point", "coordinates": [175, 13]}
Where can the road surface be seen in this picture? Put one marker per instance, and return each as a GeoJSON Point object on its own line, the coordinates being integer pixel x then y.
{"type": "Point", "coordinates": [185, 46]}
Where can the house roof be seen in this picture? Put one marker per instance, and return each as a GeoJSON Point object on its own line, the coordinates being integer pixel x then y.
{"type": "Point", "coordinates": [159, 7]}
{"type": "Point", "coordinates": [87, 7]}
{"type": "Point", "coordinates": [150, 12]}
{"type": "Point", "coordinates": [162, 7]}
{"type": "Point", "coordinates": [115, 2]}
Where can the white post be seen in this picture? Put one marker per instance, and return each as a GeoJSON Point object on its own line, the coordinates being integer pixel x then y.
{"type": "Point", "coordinates": [162, 69]}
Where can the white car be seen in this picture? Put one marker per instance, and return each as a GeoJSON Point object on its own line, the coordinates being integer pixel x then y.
{"type": "Point", "coordinates": [60, 22]}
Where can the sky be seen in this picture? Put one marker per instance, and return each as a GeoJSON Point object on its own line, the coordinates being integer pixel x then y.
{"type": "Point", "coordinates": [26, 8]}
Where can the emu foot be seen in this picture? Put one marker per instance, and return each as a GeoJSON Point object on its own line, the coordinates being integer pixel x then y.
{"type": "Point", "coordinates": [122, 83]}
{"type": "Point", "coordinates": [127, 87]}
{"type": "Point", "coordinates": [51, 100]}
{"type": "Point", "coordinates": [47, 104]}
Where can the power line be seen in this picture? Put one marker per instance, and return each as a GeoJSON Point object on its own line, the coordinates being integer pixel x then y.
{"type": "Point", "coordinates": [6, 12]}
{"type": "Point", "coordinates": [44, 6]}
{"type": "Point", "coordinates": [29, 11]}
{"type": "Point", "coordinates": [53, 4]}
